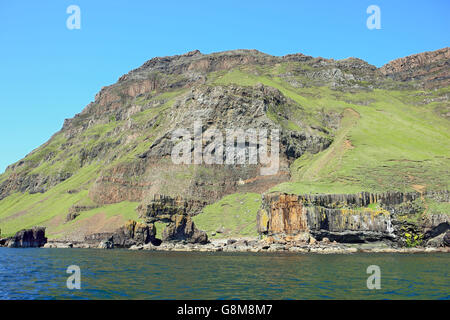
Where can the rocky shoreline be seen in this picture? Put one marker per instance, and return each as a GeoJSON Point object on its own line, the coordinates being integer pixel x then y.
{"type": "Point", "coordinates": [135, 236]}
{"type": "Point", "coordinates": [257, 246]}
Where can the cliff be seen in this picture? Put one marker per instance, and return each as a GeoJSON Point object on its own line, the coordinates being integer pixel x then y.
{"type": "Point", "coordinates": [344, 127]}
{"type": "Point", "coordinates": [361, 217]}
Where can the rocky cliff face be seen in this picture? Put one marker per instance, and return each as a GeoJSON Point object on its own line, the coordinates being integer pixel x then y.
{"type": "Point", "coordinates": [346, 217]}
{"type": "Point", "coordinates": [176, 214]}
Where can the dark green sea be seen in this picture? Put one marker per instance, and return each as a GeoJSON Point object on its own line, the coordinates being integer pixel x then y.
{"type": "Point", "coordinates": [123, 274]}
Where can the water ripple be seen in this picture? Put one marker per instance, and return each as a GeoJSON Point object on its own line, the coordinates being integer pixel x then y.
{"type": "Point", "coordinates": [122, 274]}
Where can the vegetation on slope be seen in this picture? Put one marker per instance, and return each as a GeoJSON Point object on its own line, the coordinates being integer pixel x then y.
{"type": "Point", "coordinates": [385, 141]}
{"type": "Point", "coordinates": [232, 216]}
{"type": "Point", "coordinates": [391, 138]}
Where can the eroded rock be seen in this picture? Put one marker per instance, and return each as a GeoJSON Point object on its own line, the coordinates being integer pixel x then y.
{"type": "Point", "coordinates": [182, 228]}
{"type": "Point", "coordinates": [28, 238]}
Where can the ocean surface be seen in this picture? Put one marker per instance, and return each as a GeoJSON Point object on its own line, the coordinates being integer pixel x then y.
{"type": "Point", "coordinates": [123, 274]}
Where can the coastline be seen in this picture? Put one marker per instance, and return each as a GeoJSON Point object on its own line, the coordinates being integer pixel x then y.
{"type": "Point", "coordinates": [257, 246]}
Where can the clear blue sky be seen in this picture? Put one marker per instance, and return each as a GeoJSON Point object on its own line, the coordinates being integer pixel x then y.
{"type": "Point", "coordinates": [50, 73]}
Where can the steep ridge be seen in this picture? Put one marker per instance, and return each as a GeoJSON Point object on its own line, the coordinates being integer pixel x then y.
{"type": "Point", "coordinates": [428, 69]}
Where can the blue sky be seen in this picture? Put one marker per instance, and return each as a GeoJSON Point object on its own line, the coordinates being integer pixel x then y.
{"type": "Point", "coordinates": [50, 73]}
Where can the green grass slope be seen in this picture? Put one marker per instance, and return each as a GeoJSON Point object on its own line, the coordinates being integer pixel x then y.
{"type": "Point", "coordinates": [234, 215]}
{"type": "Point", "coordinates": [387, 140]}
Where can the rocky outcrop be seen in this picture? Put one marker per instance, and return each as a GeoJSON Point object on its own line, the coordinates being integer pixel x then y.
{"type": "Point", "coordinates": [131, 233]}
{"type": "Point", "coordinates": [176, 213]}
{"type": "Point", "coordinates": [72, 216]}
{"type": "Point", "coordinates": [182, 228]}
{"type": "Point", "coordinates": [120, 183]}
{"type": "Point", "coordinates": [435, 224]}
{"type": "Point", "coordinates": [362, 217]}
{"type": "Point", "coordinates": [134, 233]}
{"type": "Point", "coordinates": [28, 238]}
{"type": "Point", "coordinates": [442, 240]}
{"type": "Point", "coordinates": [336, 217]}
{"type": "Point", "coordinates": [431, 69]}
{"type": "Point", "coordinates": [162, 208]}
{"type": "Point", "coordinates": [106, 244]}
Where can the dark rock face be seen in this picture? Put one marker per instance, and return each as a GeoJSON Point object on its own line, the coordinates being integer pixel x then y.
{"type": "Point", "coordinates": [176, 213]}
{"type": "Point", "coordinates": [96, 238]}
{"type": "Point", "coordinates": [28, 238]}
{"type": "Point", "coordinates": [182, 228]}
{"type": "Point", "coordinates": [352, 236]}
{"type": "Point", "coordinates": [435, 225]}
{"type": "Point", "coordinates": [134, 233]}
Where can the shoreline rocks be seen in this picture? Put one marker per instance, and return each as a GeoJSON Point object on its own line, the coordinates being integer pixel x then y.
{"type": "Point", "coordinates": [261, 247]}
{"type": "Point", "coordinates": [26, 238]}
{"type": "Point", "coordinates": [267, 245]}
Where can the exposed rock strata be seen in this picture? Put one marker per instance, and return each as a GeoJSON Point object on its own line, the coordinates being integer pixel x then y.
{"type": "Point", "coordinates": [430, 69]}
{"type": "Point", "coordinates": [176, 213]}
{"type": "Point", "coordinates": [182, 228]}
{"type": "Point", "coordinates": [132, 233]}
{"type": "Point", "coordinates": [344, 217]}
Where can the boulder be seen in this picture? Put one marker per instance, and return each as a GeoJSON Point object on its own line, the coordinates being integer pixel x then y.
{"type": "Point", "coordinates": [435, 224]}
{"type": "Point", "coordinates": [58, 245]}
{"type": "Point", "coordinates": [442, 240]}
{"type": "Point", "coordinates": [447, 239]}
{"type": "Point", "coordinates": [106, 244]}
{"type": "Point", "coordinates": [72, 216]}
{"type": "Point", "coordinates": [302, 237]}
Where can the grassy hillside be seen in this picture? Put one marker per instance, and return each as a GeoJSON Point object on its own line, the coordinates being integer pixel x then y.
{"type": "Point", "coordinates": [388, 139]}
{"type": "Point", "coordinates": [234, 215]}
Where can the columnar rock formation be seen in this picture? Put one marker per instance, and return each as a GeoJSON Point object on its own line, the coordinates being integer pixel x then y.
{"type": "Point", "coordinates": [342, 217]}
